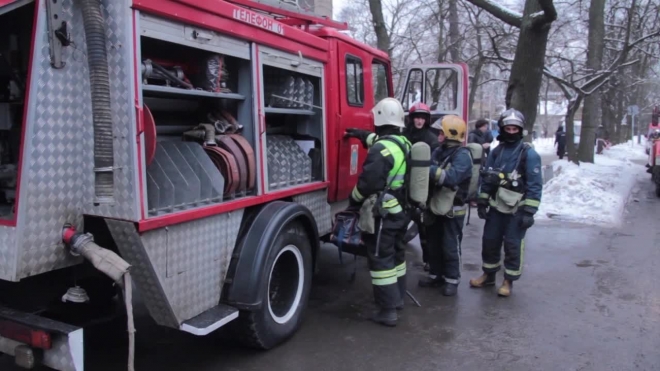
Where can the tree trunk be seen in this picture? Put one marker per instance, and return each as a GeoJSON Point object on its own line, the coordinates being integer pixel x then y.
{"type": "Point", "coordinates": [527, 69]}
{"type": "Point", "coordinates": [608, 116]}
{"type": "Point", "coordinates": [441, 34]}
{"type": "Point", "coordinates": [595, 47]}
{"type": "Point", "coordinates": [382, 37]}
{"type": "Point", "coordinates": [474, 86]}
{"type": "Point", "coordinates": [573, 107]}
{"type": "Point", "coordinates": [454, 33]}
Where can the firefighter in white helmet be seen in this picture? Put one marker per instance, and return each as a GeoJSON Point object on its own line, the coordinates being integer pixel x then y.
{"type": "Point", "coordinates": [382, 184]}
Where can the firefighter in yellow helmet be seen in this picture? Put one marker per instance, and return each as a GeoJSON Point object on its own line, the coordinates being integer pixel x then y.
{"type": "Point", "coordinates": [450, 175]}
{"type": "Point", "coordinates": [382, 184]}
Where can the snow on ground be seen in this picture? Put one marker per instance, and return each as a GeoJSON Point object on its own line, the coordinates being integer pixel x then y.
{"type": "Point", "coordinates": [594, 193]}
{"type": "Point", "coordinates": [544, 146]}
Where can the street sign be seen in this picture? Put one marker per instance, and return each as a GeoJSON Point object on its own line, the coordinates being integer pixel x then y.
{"type": "Point", "coordinates": [633, 110]}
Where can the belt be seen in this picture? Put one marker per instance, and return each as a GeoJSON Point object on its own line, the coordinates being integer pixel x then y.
{"type": "Point", "coordinates": [230, 146]}
{"type": "Point", "coordinates": [248, 152]}
{"type": "Point", "coordinates": [226, 163]}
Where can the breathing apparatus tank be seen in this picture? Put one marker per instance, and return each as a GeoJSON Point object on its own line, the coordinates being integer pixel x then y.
{"type": "Point", "coordinates": [419, 163]}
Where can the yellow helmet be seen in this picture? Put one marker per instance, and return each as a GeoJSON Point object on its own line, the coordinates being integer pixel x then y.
{"type": "Point", "coordinates": [454, 128]}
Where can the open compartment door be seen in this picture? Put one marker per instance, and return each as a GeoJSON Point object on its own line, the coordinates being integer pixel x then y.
{"type": "Point", "coordinates": [7, 6]}
{"type": "Point", "coordinates": [442, 86]}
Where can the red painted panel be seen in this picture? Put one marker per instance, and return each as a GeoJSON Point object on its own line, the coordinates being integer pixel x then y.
{"type": "Point", "coordinates": [220, 16]}
{"type": "Point", "coordinates": [6, 2]}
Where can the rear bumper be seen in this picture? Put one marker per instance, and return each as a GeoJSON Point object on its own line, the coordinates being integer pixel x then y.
{"type": "Point", "coordinates": [66, 353]}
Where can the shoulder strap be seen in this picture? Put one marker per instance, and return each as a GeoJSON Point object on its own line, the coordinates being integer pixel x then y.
{"type": "Point", "coordinates": [522, 158]}
{"type": "Point", "coordinates": [406, 152]}
{"type": "Point", "coordinates": [446, 160]}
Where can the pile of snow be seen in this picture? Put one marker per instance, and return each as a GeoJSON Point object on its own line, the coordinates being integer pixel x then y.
{"type": "Point", "coordinates": [593, 193]}
{"type": "Point", "coordinates": [544, 146]}
{"type": "Point", "coordinates": [628, 151]}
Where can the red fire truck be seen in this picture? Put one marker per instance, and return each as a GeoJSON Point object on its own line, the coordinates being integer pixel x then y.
{"type": "Point", "coordinates": [194, 145]}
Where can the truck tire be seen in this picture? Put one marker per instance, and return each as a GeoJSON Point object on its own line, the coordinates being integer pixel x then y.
{"type": "Point", "coordinates": [286, 292]}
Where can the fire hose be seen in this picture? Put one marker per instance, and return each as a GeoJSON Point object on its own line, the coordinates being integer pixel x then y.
{"type": "Point", "coordinates": [113, 266]}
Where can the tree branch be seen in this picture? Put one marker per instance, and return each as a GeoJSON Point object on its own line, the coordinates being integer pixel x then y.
{"type": "Point", "coordinates": [505, 15]}
{"type": "Point", "coordinates": [546, 17]}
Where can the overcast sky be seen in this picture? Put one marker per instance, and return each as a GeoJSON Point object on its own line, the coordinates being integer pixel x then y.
{"type": "Point", "coordinates": [336, 6]}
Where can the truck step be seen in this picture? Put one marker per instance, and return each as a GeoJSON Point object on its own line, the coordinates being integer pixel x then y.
{"type": "Point", "coordinates": [210, 320]}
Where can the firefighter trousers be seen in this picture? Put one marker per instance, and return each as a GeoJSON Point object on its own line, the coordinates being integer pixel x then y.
{"type": "Point", "coordinates": [503, 229]}
{"type": "Point", "coordinates": [388, 269]}
{"type": "Point", "coordinates": [445, 236]}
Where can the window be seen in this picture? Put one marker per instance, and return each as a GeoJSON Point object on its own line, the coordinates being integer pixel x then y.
{"type": "Point", "coordinates": [354, 81]}
{"type": "Point", "coordinates": [441, 89]}
{"type": "Point", "coordinates": [413, 94]}
{"type": "Point", "coordinates": [379, 79]}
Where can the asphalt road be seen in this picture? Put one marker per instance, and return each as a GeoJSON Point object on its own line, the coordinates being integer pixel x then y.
{"type": "Point", "coordinates": [588, 300]}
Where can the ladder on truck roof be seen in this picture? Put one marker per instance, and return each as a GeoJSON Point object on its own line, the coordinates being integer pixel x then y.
{"type": "Point", "coordinates": [289, 12]}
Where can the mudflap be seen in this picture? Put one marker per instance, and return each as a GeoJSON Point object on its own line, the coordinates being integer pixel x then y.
{"type": "Point", "coordinates": [66, 351]}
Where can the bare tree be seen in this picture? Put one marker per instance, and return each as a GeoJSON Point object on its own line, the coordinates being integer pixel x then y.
{"type": "Point", "coordinates": [525, 79]}
{"type": "Point", "coordinates": [591, 111]}
{"type": "Point", "coordinates": [380, 28]}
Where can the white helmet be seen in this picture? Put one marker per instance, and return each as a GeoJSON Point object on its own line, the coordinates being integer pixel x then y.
{"type": "Point", "coordinates": [389, 112]}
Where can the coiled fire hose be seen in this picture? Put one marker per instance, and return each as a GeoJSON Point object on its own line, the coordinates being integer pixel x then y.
{"type": "Point", "coordinates": [113, 266]}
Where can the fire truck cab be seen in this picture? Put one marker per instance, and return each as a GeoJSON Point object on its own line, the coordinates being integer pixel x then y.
{"type": "Point", "coordinates": [200, 142]}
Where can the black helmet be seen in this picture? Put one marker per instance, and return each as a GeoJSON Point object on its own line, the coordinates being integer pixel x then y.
{"type": "Point", "coordinates": [511, 117]}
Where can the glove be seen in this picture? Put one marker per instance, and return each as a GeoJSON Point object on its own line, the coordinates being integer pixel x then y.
{"type": "Point", "coordinates": [527, 220]}
{"type": "Point", "coordinates": [482, 211]}
{"type": "Point", "coordinates": [360, 134]}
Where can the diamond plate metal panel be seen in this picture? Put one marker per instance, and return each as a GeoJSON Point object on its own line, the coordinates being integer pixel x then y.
{"type": "Point", "coordinates": [59, 357]}
{"type": "Point", "coordinates": [179, 269]}
{"type": "Point", "coordinates": [287, 163]}
{"type": "Point", "coordinates": [58, 177]}
{"type": "Point", "coordinates": [8, 253]}
{"type": "Point", "coordinates": [147, 268]}
{"type": "Point", "coordinates": [317, 203]}
{"type": "Point", "coordinates": [198, 256]}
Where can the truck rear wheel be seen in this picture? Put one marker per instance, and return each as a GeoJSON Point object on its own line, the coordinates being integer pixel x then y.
{"type": "Point", "coordinates": [285, 291]}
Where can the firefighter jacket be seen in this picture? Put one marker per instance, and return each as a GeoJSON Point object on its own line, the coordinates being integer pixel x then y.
{"type": "Point", "coordinates": [452, 168]}
{"type": "Point", "coordinates": [385, 165]}
{"type": "Point", "coordinates": [425, 135]}
{"type": "Point", "coordinates": [519, 166]}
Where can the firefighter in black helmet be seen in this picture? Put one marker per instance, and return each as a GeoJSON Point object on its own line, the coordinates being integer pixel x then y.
{"type": "Point", "coordinates": [510, 194]}
{"type": "Point", "coordinates": [380, 187]}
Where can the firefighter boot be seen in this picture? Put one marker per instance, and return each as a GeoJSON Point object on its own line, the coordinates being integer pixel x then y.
{"type": "Point", "coordinates": [505, 289]}
{"type": "Point", "coordinates": [431, 281]}
{"type": "Point", "coordinates": [386, 317]}
{"type": "Point", "coordinates": [401, 283]}
{"type": "Point", "coordinates": [486, 279]}
{"type": "Point", "coordinates": [450, 289]}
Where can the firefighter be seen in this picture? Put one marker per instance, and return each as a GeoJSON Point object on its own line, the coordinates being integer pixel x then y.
{"type": "Point", "coordinates": [560, 142]}
{"type": "Point", "coordinates": [511, 186]}
{"type": "Point", "coordinates": [418, 129]}
{"type": "Point", "coordinates": [382, 184]}
{"type": "Point", "coordinates": [450, 175]}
